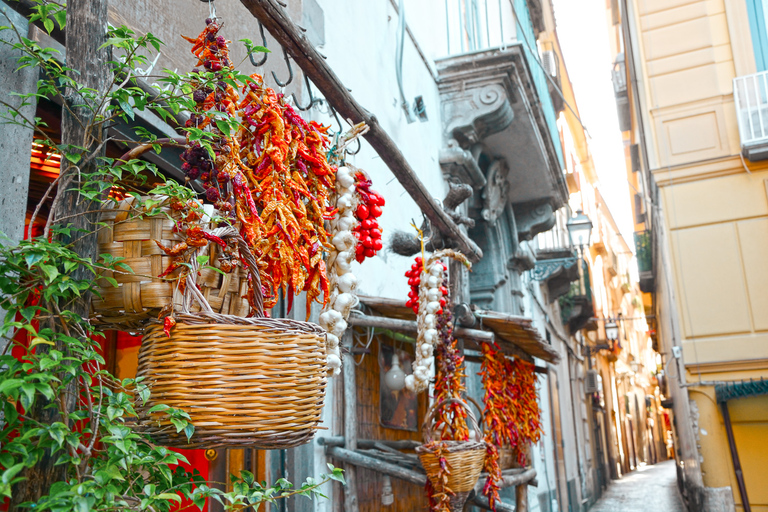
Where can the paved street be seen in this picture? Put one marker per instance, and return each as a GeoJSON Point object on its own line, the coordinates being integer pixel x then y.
{"type": "Point", "coordinates": [649, 489]}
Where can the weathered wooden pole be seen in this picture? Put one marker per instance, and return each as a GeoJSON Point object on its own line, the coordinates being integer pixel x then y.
{"type": "Point", "coordinates": [86, 28]}
{"type": "Point", "coordinates": [350, 424]}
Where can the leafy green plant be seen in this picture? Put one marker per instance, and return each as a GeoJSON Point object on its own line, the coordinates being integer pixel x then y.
{"type": "Point", "coordinates": [65, 416]}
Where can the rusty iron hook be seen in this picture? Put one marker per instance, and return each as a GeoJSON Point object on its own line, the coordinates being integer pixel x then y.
{"type": "Point", "coordinates": [290, 71]}
{"type": "Point", "coordinates": [264, 44]}
{"type": "Point", "coordinates": [312, 100]}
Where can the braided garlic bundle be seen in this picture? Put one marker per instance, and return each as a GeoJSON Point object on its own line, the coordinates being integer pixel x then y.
{"type": "Point", "coordinates": [430, 306]}
{"type": "Point", "coordinates": [343, 282]}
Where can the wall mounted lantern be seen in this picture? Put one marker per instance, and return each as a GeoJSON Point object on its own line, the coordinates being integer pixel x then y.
{"type": "Point", "coordinates": [612, 330]}
{"type": "Point", "coordinates": [579, 229]}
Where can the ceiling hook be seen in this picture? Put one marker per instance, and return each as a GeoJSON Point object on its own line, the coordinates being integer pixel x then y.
{"type": "Point", "coordinates": [341, 129]}
{"type": "Point", "coordinates": [312, 100]}
{"type": "Point", "coordinates": [290, 71]}
{"type": "Point", "coordinates": [359, 146]}
{"type": "Point", "coordinates": [263, 59]}
{"type": "Point", "coordinates": [338, 121]}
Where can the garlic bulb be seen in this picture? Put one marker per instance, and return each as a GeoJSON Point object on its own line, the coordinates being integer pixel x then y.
{"type": "Point", "coordinates": [344, 303]}
{"type": "Point", "coordinates": [347, 283]}
{"type": "Point", "coordinates": [331, 341]}
{"type": "Point", "coordinates": [333, 362]}
{"type": "Point", "coordinates": [344, 180]}
{"type": "Point", "coordinates": [339, 328]}
{"type": "Point", "coordinates": [343, 241]}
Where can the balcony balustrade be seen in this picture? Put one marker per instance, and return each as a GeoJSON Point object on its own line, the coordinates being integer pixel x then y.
{"type": "Point", "coordinates": [750, 94]}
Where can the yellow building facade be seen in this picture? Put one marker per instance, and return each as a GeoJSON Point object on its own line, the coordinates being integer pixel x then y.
{"type": "Point", "coordinates": [691, 90]}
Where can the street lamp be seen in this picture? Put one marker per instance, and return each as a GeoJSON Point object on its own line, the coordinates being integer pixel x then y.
{"type": "Point", "coordinates": [579, 229]}
{"type": "Point", "coordinates": [612, 330]}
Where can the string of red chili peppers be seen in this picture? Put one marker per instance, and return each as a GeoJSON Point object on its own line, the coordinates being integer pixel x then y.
{"type": "Point", "coordinates": [451, 420]}
{"type": "Point", "coordinates": [496, 417]}
{"type": "Point", "coordinates": [528, 413]}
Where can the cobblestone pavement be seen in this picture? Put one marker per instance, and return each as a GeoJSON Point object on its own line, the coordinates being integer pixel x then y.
{"type": "Point", "coordinates": [647, 489]}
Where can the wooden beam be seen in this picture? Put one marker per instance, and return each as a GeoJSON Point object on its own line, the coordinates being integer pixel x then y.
{"type": "Point", "coordinates": [290, 37]}
{"type": "Point", "coordinates": [364, 461]}
{"type": "Point", "coordinates": [368, 444]}
{"type": "Point", "coordinates": [411, 326]}
{"type": "Point", "coordinates": [483, 503]}
{"type": "Point", "coordinates": [510, 480]}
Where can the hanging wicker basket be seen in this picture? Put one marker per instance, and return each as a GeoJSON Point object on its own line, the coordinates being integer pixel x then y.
{"type": "Point", "coordinates": [141, 296]}
{"type": "Point", "coordinates": [465, 458]}
{"type": "Point", "coordinates": [245, 382]}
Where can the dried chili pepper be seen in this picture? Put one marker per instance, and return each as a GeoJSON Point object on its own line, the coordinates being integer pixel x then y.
{"type": "Point", "coordinates": [168, 324]}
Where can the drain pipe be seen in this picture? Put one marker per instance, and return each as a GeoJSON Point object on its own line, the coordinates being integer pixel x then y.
{"type": "Point", "coordinates": [735, 457]}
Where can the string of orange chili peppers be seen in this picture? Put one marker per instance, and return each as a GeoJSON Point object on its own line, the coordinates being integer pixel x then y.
{"type": "Point", "coordinates": [512, 414]}
{"type": "Point", "coordinates": [272, 175]}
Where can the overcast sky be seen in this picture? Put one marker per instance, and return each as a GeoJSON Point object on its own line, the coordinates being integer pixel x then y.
{"type": "Point", "coordinates": [582, 28]}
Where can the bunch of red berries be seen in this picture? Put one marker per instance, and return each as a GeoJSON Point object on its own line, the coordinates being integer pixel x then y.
{"type": "Point", "coordinates": [414, 280]}
{"type": "Point", "coordinates": [367, 231]}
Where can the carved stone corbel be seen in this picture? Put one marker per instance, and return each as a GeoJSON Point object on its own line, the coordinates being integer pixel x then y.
{"type": "Point", "coordinates": [460, 165]}
{"type": "Point", "coordinates": [406, 244]}
{"type": "Point", "coordinates": [472, 113]}
{"type": "Point", "coordinates": [496, 191]}
{"type": "Point", "coordinates": [522, 260]}
{"type": "Point", "coordinates": [533, 218]}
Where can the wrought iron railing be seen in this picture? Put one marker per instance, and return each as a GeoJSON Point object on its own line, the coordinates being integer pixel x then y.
{"type": "Point", "coordinates": [750, 92]}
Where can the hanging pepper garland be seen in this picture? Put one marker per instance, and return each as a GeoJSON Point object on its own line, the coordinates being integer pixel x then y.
{"type": "Point", "coordinates": [451, 421]}
{"type": "Point", "coordinates": [270, 173]}
{"type": "Point", "coordinates": [529, 415]}
{"type": "Point", "coordinates": [512, 415]}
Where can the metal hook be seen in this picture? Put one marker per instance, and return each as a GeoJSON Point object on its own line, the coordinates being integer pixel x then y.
{"type": "Point", "coordinates": [264, 44]}
{"type": "Point", "coordinates": [359, 147]}
{"type": "Point", "coordinates": [290, 71]}
{"type": "Point", "coordinates": [336, 116]}
{"type": "Point", "coordinates": [341, 129]}
{"type": "Point", "coordinates": [312, 100]}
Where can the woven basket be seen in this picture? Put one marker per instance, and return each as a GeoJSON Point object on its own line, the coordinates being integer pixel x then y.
{"type": "Point", "coordinates": [507, 454]}
{"type": "Point", "coordinates": [465, 458]}
{"type": "Point", "coordinates": [507, 457]}
{"type": "Point", "coordinates": [245, 382]}
{"type": "Point", "coordinates": [140, 296]}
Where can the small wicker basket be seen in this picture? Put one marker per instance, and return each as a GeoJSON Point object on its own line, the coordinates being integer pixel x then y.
{"type": "Point", "coordinates": [245, 382]}
{"type": "Point", "coordinates": [507, 454]}
{"type": "Point", "coordinates": [464, 458]}
{"type": "Point", "coordinates": [141, 296]}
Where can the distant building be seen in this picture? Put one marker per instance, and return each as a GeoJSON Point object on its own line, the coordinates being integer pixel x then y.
{"type": "Point", "coordinates": [690, 85]}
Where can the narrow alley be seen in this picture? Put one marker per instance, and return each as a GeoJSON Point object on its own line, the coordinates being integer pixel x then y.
{"type": "Point", "coordinates": [648, 488]}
